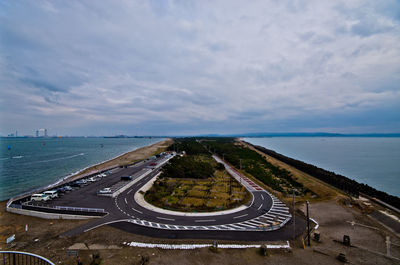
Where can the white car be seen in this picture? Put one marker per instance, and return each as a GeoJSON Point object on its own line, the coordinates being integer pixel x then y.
{"type": "Point", "coordinates": [105, 191]}
{"type": "Point", "coordinates": [92, 179]}
{"type": "Point", "coordinates": [51, 193]}
{"type": "Point", "coordinates": [39, 197]}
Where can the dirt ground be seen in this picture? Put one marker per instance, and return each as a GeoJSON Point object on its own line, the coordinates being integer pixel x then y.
{"type": "Point", "coordinates": [43, 238]}
{"type": "Point", "coordinates": [333, 216]}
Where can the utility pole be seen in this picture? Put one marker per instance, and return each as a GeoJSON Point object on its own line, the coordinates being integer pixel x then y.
{"type": "Point", "coordinates": [294, 219]}
{"type": "Point", "coordinates": [308, 226]}
{"type": "Point", "coordinates": [223, 156]}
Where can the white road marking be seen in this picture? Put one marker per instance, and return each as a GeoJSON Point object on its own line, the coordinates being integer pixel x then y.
{"type": "Point", "coordinates": [132, 190]}
{"type": "Point", "coordinates": [209, 220]}
{"type": "Point", "coordinates": [240, 216]}
{"type": "Point", "coordinates": [262, 197]}
{"type": "Point", "coordinates": [126, 201]}
{"type": "Point", "coordinates": [260, 207]}
{"type": "Point", "coordinates": [136, 210]}
{"type": "Point", "coordinates": [168, 219]}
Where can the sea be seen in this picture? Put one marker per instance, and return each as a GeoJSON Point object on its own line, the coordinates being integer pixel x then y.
{"type": "Point", "coordinates": [29, 163]}
{"type": "Point", "coordinates": [374, 161]}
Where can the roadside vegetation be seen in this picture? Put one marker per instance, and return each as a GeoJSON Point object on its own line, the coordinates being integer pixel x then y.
{"type": "Point", "coordinates": [252, 163]}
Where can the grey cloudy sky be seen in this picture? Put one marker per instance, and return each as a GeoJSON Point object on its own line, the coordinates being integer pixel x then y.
{"type": "Point", "coordinates": [188, 67]}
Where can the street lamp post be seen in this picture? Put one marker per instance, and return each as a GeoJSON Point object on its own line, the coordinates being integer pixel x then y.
{"type": "Point", "coordinates": [308, 226]}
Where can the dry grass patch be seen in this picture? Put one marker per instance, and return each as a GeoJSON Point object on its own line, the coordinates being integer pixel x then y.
{"type": "Point", "coordinates": [197, 193]}
{"type": "Point", "coordinates": [191, 201]}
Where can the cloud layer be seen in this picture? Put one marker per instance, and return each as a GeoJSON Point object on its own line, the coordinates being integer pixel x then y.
{"type": "Point", "coordinates": [177, 67]}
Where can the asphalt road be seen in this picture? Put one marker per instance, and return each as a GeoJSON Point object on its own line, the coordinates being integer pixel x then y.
{"type": "Point", "coordinates": [126, 214]}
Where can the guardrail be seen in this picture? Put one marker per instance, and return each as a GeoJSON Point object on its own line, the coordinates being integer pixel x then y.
{"type": "Point", "coordinates": [19, 257]}
{"type": "Point", "coordinates": [80, 209]}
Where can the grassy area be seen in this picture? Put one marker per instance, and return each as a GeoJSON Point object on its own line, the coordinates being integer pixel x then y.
{"type": "Point", "coordinates": [219, 192]}
{"type": "Point", "coordinates": [253, 164]}
{"type": "Point", "coordinates": [322, 190]}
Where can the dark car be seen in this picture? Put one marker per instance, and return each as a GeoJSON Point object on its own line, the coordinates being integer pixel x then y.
{"type": "Point", "coordinates": [76, 184]}
{"type": "Point", "coordinates": [61, 190]}
{"type": "Point", "coordinates": [126, 178]}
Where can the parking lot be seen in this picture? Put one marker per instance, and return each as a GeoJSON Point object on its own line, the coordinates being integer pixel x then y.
{"type": "Point", "coordinates": [84, 193]}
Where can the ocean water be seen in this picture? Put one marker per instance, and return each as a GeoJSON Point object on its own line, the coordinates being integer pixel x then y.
{"type": "Point", "coordinates": [35, 162]}
{"type": "Point", "coordinates": [369, 160]}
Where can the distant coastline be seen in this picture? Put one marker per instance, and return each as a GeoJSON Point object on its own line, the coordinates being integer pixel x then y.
{"type": "Point", "coordinates": [248, 135]}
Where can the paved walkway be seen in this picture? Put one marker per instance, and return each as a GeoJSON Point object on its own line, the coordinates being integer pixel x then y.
{"type": "Point", "coordinates": [242, 179]}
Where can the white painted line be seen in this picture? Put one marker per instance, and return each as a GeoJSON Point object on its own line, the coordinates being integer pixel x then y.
{"type": "Point", "coordinates": [209, 220]}
{"type": "Point", "coordinates": [168, 219]}
{"type": "Point", "coordinates": [259, 207]}
{"type": "Point", "coordinates": [262, 197]}
{"type": "Point", "coordinates": [126, 201]}
{"type": "Point", "coordinates": [132, 190]}
{"type": "Point", "coordinates": [240, 216]}
{"type": "Point", "coordinates": [136, 210]}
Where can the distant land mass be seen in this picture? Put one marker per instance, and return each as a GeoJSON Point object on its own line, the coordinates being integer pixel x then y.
{"type": "Point", "coordinates": [259, 134]}
{"type": "Point", "coordinates": [303, 134]}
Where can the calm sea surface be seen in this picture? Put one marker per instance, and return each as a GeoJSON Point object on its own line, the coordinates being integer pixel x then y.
{"type": "Point", "coordinates": [369, 160]}
{"type": "Point", "coordinates": [35, 162]}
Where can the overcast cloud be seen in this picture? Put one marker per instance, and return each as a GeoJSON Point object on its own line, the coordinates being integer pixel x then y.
{"type": "Point", "coordinates": [188, 67]}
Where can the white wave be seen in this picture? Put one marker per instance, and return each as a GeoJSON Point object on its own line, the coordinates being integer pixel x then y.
{"type": "Point", "coordinates": [17, 157]}
{"type": "Point", "coordinates": [56, 159]}
{"type": "Point", "coordinates": [3, 158]}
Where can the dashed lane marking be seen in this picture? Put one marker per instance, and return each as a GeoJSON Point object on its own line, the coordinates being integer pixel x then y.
{"type": "Point", "coordinates": [136, 210]}
{"type": "Point", "coordinates": [132, 190]}
{"type": "Point", "coordinates": [259, 207]}
{"type": "Point", "coordinates": [262, 197]}
{"type": "Point", "coordinates": [126, 201]}
{"type": "Point", "coordinates": [240, 216]}
{"type": "Point", "coordinates": [209, 220]}
{"type": "Point", "coordinates": [163, 218]}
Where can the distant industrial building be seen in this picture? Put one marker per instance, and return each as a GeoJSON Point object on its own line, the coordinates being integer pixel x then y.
{"type": "Point", "coordinates": [41, 133]}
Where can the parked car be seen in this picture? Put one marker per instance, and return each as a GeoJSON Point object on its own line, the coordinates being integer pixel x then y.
{"type": "Point", "coordinates": [76, 184]}
{"type": "Point", "coordinates": [92, 179]}
{"type": "Point", "coordinates": [82, 182]}
{"type": "Point", "coordinates": [105, 191]}
{"type": "Point", "coordinates": [60, 189]}
{"type": "Point", "coordinates": [67, 188]}
{"type": "Point", "coordinates": [39, 197]}
{"type": "Point", "coordinates": [51, 193]}
{"type": "Point", "coordinates": [153, 164]}
{"type": "Point", "coordinates": [126, 177]}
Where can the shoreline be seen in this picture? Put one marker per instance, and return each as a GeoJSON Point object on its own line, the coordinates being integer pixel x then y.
{"type": "Point", "coordinates": [129, 156]}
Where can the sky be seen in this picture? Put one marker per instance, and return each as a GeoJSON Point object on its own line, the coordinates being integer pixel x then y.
{"type": "Point", "coordinates": [196, 67]}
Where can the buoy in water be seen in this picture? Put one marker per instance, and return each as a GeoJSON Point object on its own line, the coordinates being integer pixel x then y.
{"type": "Point", "coordinates": [9, 147]}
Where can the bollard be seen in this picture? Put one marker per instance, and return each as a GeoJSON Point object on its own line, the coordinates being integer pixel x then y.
{"type": "Point", "coordinates": [264, 250]}
{"type": "Point", "coordinates": [341, 257]}
{"type": "Point", "coordinates": [346, 240]}
{"type": "Point", "coordinates": [317, 237]}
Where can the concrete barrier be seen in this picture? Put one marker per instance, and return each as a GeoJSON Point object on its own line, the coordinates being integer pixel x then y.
{"type": "Point", "coordinates": [44, 215]}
